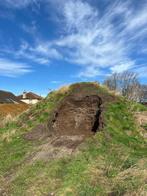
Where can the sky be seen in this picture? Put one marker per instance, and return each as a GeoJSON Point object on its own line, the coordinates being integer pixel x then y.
{"type": "Point", "coordinates": [45, 44]}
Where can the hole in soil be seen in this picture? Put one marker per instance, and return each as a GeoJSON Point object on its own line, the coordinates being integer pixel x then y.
{"type": "Point", "coordinates": [55, 116]}
{"type": "Point", "coordinates": [96, 121]}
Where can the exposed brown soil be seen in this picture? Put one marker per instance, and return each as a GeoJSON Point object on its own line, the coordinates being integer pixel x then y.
{"type": "Point", "coordinates": [76, 118]}
{"type": "Point", "coordinates": [57, 147]}
{"type": "Point", "coordinates": [77, 115]}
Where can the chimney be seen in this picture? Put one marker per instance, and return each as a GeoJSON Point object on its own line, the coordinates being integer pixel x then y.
{"type": "Point", "coordinates": [24, 96]}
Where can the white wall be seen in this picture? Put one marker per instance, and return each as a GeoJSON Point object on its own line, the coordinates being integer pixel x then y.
{"type": "Point", "coordinates": [30, 101]}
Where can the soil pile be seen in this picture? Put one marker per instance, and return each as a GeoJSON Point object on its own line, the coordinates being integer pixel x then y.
{"type": "Point", "coordinates": [80, 112]}
{"type": "Point", "coordinates": [77, 115]}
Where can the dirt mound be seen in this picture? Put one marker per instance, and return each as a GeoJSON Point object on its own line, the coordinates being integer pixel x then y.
{"type": "Point", "coordinates": [76, 118]}
{"type": "Point", "coordinates": [80, 112]}
{"type": "Point", "coordinates": [77, 115]}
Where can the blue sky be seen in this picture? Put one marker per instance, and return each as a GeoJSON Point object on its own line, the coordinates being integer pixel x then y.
{"type": "Point", "coordinates": [48, 43]}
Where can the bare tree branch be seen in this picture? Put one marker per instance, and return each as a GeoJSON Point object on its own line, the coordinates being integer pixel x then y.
{"type": "Point", "coordinates": [126, 83]}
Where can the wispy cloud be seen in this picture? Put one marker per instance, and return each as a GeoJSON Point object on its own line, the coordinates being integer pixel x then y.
{"type": "Point", "coordinates": [93, 39]}
{"type": "Point", "coordinates": [18, 3]}
{"type": "Point", "coordinates": [30, 29]}
{"type": "Point", "coordinates": [56, 82]}
{"type": "Point", "coordinates": [141, 71]}
{"type": "Point", "coordinates": [41, 52]}
{"type": "Point", "coordinates": [101, 40]}
{"type": "Point", "coordinates": [90, 71]}
{"type": "Point", "coordinates": [11, 68]}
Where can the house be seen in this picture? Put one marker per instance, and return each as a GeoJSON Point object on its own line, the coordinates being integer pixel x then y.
{"type": "Point", "coordinates": [29, 98]}
{"type": "Point", "coordinates": [8, 98]}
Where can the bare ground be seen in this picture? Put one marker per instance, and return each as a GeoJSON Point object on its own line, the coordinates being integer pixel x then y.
{"type": "Point", "coordinates": [57, 147]}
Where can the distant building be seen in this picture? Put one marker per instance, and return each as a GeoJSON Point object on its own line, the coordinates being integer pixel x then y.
{"type": "Point", "coordinates": [8, 98]}
{"type": "Point", "coordinates": [29, 98]}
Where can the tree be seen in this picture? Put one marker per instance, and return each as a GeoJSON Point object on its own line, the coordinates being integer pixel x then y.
{"type": "Point", "coordinates": [144, 94]}
{"type": "Point", "coordinates": [126, 83]}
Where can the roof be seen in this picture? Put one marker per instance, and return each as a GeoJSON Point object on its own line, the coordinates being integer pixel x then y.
{"type": "Point", "coordinates": [30, 95]}
{"type": "Point", "coordinates": [8, 97]}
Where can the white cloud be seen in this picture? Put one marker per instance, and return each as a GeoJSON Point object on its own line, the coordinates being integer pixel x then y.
{"type": "Point", "coordinates": [12, 69]}
{"type": "Point", "coordinates": [30, 29]}
{"type": "Point", "coordinates": [123, 67]}
{"type": "Point", "coordinates": [90, 71]}
{"type": "Point", "coordinates": [138, 20]}
{"type": "Point", "coordinates": [46, 50]}
{"type": "Point", "coordinates": [93, 41]}
{"type": "Point", "coordinates": [78, 14]}
{"type": "Point", "coordinates": [18, 4]}
{"type": "Point", "coordinates": [91, 38]}
{"type": "Point", "coordinates": [142, 71]}
{"type": "Point", "coordinates": [56, 82]}
{"type": "Point", "coordinates": [41, 53]}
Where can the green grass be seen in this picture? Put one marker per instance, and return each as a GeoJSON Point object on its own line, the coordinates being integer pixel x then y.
{"type": "Point", "coordinates": [138, 107]}
{"type": "Point", "coordinates": [13, 148]}
{"type": "Point", "coordinates": [114, 161]}
{"type": "Point", "coordinates": [12, 154]}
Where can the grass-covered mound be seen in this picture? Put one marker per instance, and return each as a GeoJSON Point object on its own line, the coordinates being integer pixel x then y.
{"type": "Point", "coordinates": [113, 162]}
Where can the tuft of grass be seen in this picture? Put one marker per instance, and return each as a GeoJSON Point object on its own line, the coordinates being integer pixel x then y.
{"type": "Point", "coordinates": [137, 107]}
